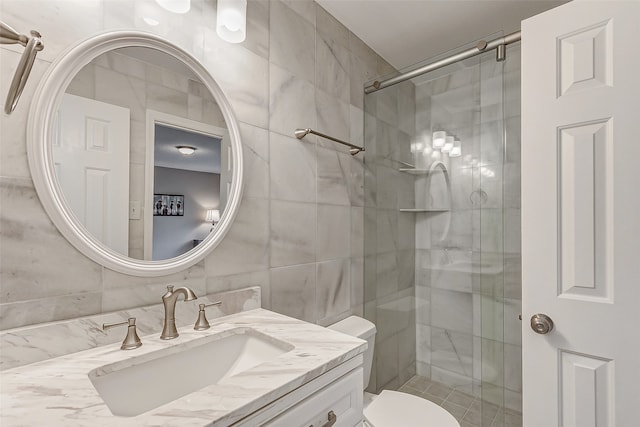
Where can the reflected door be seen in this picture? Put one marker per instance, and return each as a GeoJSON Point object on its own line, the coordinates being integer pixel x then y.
{"type": "Point", "coordinates": [91, 155]}
{"type": "Point", "coordinates": [580, 204]}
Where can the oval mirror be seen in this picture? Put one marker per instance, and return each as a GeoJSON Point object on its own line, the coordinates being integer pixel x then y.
{"type": "Point", "coordinates": [135, 153]}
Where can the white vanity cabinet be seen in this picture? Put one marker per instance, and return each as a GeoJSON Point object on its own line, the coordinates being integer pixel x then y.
{"type": "Point", "coordinates": [332, 400]}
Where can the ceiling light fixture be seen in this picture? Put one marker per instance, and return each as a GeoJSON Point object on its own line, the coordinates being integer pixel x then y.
{"type": "Point", "coordinates": [175, 6]}
{"type": "Point", "coordinates": [231, 22]}
{"type": "Point", "coordinates": [186, 150]}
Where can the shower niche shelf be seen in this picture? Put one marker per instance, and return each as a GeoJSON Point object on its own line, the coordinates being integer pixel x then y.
{"type": "Point", "coordinates": [432, 210]}
{"type": "Point", "coordinates": [415, 171]}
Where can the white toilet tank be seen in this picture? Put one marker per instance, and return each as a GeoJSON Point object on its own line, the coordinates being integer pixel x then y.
{"type": "Point", "coordinates": [363, 329]}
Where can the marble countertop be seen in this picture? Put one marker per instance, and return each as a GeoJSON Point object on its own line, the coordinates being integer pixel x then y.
{"type": "Point", "coordinates": [58, 392]}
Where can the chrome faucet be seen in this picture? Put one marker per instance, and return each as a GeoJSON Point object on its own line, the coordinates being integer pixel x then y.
{"type": "Point", "coordinates": [169, 300]}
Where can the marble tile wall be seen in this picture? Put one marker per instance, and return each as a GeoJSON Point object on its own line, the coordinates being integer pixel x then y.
{"type": "Point", "coordinates": [22, 346]}
{"type": "Point", "coordinates": [299, 231]}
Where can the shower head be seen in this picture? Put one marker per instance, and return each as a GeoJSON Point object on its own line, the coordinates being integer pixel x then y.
{"type": "Point", "coordinates": [354, 151]}
{"type": "Point", "coordinates": [301, 133]}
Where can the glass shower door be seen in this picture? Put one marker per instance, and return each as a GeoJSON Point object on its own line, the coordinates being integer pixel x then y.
{"type": "Point", "coordinates": [435, 265]}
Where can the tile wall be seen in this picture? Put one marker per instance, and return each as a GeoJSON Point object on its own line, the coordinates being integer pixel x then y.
{"type": "Point", "coordinates": [299, 230]}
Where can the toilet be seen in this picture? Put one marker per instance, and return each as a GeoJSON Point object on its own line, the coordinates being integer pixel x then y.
{"type": "Point", "coordinates": [391, 408]}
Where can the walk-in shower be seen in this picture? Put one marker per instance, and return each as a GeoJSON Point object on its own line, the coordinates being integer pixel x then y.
{"type": "Point", "coordinates": [442, 232]}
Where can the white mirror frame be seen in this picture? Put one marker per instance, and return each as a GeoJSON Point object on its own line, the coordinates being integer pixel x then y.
{"type": "Point", "coordinates": [40, 131]}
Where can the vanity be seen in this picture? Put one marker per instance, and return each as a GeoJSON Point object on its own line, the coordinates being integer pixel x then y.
{"type": "Point", "coordinates": [252, 368]}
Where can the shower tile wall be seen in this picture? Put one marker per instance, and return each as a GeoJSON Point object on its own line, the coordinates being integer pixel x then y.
{"type": "Point", "coordinates": [389, 234]}
{"type": "Point", "coordinates": [299, 231]}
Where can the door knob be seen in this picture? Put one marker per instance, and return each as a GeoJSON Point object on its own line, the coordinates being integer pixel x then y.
{"type": "Point", "coordinates": [541, 324]}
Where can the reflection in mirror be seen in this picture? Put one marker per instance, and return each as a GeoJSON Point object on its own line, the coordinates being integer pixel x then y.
{"type": "Point", "coordinates": [186, 184]}
{"type": "Point", "coordinates": [120, 122]}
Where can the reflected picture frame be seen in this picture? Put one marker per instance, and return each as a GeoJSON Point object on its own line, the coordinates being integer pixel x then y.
{"type": "Point", "coordinates": [168, 205]}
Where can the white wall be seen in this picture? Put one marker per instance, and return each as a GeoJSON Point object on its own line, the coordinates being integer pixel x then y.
{"type": "Point", "coordinates": [174, 235]}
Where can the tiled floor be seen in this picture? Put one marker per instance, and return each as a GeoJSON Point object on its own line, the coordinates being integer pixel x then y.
{"type": "Point", "coordinates": [465, 408]}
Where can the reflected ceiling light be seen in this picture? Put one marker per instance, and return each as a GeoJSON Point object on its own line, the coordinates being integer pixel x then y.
{"type": "Point", "coordinates": [175, 6]}
{"type": "Point", "coordinates": [186, 150]}
{"type": "Point", "coordinates": [231, 22]}
{"type": "Point", "coordinates": [448, 145]}
{"type": "Point", "coordinates": [439, 138]}
{"type": "Point", "coordinates": [456, 150]}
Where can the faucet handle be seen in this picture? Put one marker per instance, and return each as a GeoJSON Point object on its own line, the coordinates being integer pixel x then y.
{"type": "Point", "coordinates": [132, 340]}
{"type": "Point", "coordinates": [202, 323]}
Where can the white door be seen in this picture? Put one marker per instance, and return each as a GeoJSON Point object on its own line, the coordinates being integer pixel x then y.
{"type": "Point", "coordinates": [91, 157]}
{"type": "Point", "coordinates": [581, 214]}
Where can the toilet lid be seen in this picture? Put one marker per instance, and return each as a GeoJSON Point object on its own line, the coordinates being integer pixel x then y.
{"type": "Point", "coordinates": [394, 408]}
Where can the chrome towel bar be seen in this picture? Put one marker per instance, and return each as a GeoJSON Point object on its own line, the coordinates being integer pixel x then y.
{"type": "Point", "coordinates": [32, 45]}
{"type": "Point", "coordinates": [354, 149]}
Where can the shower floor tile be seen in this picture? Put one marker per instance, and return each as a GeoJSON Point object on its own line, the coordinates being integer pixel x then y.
{"type": "Point", "coordinates": [467, 409]}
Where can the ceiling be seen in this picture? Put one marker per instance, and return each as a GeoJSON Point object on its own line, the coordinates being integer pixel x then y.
{"type": "Point", "coordinates": [206, 158]}
{"type": "Point", "coordinates": [405, 32]}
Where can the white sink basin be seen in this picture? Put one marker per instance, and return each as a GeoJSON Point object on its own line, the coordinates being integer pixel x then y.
{"type": "Point", "coordinates": [136, 385]}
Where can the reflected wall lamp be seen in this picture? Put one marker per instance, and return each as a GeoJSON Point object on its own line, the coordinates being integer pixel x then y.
{"type": "Point", "coordinates": [456, 150]}
{"type": "Point", "coordinates": [439, 138]}
{"type": "Point", "coordinates": [231, 22]}
{"type": "Point", "coordinates": [213, 216]}
{"type": "Point", "coordinates": [449, 144]}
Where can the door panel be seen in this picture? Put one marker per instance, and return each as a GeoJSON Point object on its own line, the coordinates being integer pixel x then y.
{"type": "Point", "coordinates": [580, 220]}
{"type": "Point", "coordinates": [91, 155]}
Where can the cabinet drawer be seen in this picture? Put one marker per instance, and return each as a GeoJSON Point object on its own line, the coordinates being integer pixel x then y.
{"type": "Point", "coordinates": [343, 397]}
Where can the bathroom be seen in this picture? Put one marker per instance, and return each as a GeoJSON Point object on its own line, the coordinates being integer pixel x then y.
{"type": "Point", "coordinates": [316, 229]}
